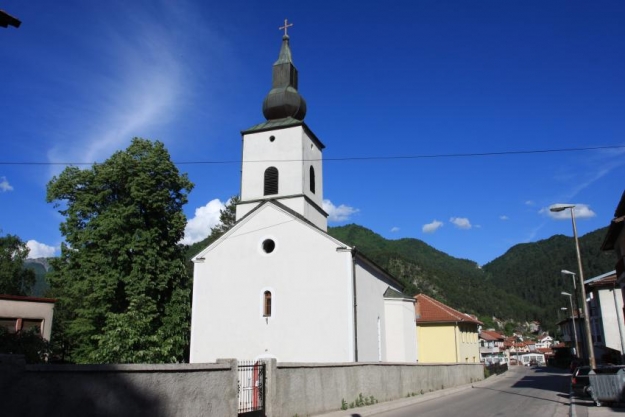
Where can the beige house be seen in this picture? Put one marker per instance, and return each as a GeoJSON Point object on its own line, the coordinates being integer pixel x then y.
{"type": "Point", "coordinates": [445, 335]}
{"type": "Point", "coordinates": [26, 313]}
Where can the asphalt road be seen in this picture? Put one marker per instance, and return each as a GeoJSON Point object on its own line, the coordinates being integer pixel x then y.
{"type": "Point", "coordinates": [519, 392]}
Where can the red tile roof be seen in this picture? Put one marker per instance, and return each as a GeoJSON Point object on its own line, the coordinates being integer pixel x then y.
{"type": "Point", "coordinates": [431, 311]}
{"type": "Point", "coordinates": [491, 335]}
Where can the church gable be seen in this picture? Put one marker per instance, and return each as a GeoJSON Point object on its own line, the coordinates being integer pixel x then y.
{"type": "Point", "coordinates": [282, 214]}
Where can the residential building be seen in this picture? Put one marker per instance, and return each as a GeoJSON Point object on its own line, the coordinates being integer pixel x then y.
{"type": "Point", "coordinates": [492, 348]}
{"type": "Point", "coordinates": [21, 314]}
{"type": "Point", "coordinates": [615, 241]}
{"type": "Point", "coordinates": [568, 330]}
{"type": "Point", "coordinates": [445, 335]}
{"type": "Point", "coordinates": [276, 285]}
{"type": "Point", "coordinates": [606, 318]}
{"type": "Point", "coordinates": [544, 342]}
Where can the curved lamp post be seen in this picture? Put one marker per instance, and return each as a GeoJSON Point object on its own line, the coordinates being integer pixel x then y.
{"type": "Point", "coordinates": [573, 319]}
{"type": "Point", "coordinates": [591, 353]}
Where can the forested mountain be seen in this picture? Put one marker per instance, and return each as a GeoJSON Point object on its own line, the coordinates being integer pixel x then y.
{"type": "Point", "coordinates": [532, 270]}
{"type": "Point", "coordinates": [41, 267]}
{"type": "Point", "coordinates": [523, 284]}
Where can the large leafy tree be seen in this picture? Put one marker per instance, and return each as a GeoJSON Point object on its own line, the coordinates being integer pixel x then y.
{"type": "Point", "coordinates": [124, 295]}
{"type": "Point", "coordinates": [14, 278]}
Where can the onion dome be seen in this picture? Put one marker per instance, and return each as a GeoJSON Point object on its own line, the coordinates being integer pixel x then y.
{"type": "Point", "coordinates": [283, 100]}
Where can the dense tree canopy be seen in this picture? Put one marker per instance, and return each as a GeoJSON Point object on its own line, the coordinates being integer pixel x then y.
{"type": "Point", "coordinates": [14, 278]}
{"type": "Point", "coordinates": [124, 295]}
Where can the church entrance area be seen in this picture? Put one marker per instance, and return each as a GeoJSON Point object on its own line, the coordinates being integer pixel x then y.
{"type": "Point", "coordinates": [251, 389]}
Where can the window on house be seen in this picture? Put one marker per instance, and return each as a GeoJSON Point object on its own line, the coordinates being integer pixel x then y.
{"type": "Point", "coordinates": [267, 304]}
{"type": "Point", "coordinates": [312, 179]}
{"type": "Point", "coordinates": [10, 324]}
{"type": "Point", "coordinates": [271, 181]}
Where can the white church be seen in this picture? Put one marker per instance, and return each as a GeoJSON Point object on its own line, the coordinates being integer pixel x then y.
{"type": "Point", "coordinates": [277, 285]}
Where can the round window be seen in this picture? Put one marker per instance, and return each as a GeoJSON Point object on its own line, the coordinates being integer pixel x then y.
{"type": "Point", "coordinates": [269, 245]}
{"type": "Point", "coordinates": [272, 138]}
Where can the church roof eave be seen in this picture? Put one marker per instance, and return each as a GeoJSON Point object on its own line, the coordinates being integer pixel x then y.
{"type": "Point", "coordinates": [361, 256]}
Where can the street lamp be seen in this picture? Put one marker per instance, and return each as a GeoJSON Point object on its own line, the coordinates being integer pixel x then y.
{"type": "Point", "coordinates": [565, 272]}
{"type": "Point", "coordinates": [591, 353]}
{"type": "Point", "coordinates": [575, 299]}
{"type": "Point", "coordinates": [572, 319]}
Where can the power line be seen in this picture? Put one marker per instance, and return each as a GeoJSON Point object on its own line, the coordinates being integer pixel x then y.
{"type": "Point", "coordinates": [359, 158]}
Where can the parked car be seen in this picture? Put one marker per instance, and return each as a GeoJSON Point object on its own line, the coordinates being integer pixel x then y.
{"type": "Point", "coordinates": [580, 382]}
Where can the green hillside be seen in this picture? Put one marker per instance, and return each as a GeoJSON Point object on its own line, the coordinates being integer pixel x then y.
{"type": "Point", "coordinates": [532, 270]}
{"type": "Point", "coordinates": [40, 266]}
{"type": "Point", "coordinates": [523, 284]}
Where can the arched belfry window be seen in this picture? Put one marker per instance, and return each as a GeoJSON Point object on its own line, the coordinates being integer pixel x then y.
{"type": "Point", "coordinates": [271, 181]}
{"type": "Point", "coordinates": [267, 304]}
{"type": "Point", "coordinates": [312, 179]}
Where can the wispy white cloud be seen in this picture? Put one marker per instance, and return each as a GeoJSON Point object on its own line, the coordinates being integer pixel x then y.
{"type": "Point", "coordinates": [40, 250]}
{"type": "Point", "coordinates": [340, 213]}
{"type": "Point", "coordinates": [432, 227]}
{"type": "Point", "coordinates": [592, 169]}
{"type": "Point", "coordinates": [206, 217]}
{"type": "Point", "coordinates": [582, 211]}
{"type": "Point", "coordinates": [529, 203]}
{"type": "Point", "coordinates": [394, 229]}
{"type": "Point", "coordinates": [531, 235]}
{"type": "Point", "coordinates": [504, 217]}
{"type": "Point", "coordinates": [460, 222]}
{"type": "Point", "coordinates": [4, 185]}
{"type": "Point", "coordinates": [140, 81]}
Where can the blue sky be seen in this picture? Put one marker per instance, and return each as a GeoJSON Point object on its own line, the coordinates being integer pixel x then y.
{"type": "Point", "coordinates": [381, 79]}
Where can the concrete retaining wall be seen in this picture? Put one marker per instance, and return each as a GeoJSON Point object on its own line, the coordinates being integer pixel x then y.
{"type": "Point", "coordinates": [308, 389]}
{"type": "Point", "coordinates": [211, 389]}
{"type": "Point", "coordinates": [117, 390]}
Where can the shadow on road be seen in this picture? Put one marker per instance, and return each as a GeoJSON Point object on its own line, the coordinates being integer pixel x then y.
{"type": "Point", "coordinates": [524, 395]}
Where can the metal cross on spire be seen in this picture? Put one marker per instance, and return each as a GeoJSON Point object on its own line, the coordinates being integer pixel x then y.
{"type": "Point", "coordinates": [285, 27]}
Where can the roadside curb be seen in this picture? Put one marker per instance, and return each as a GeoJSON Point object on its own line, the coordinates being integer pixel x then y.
{"type": "Point", "coordinates": [405, 402]}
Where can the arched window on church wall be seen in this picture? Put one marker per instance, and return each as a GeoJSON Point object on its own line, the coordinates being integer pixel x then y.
{"type": "Point", "coordinates": [271, 181]}
{"type": "Point", "coordinates": [267, 304]}
{"type": "Point", "coordinates": [312, 179]}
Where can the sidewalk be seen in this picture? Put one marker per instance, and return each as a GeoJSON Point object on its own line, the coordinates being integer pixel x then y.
{"type": "Point", "coordinates": [585, 407]}
{"type": "Point", "coordinates": [404, 402]}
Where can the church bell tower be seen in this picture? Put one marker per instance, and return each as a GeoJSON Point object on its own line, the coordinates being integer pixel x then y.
{"type": "Point", "coordinates": [282, 157]}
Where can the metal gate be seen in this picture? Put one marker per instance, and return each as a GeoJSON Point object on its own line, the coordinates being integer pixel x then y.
{"type": "Point", "coordinates": [251, 389]}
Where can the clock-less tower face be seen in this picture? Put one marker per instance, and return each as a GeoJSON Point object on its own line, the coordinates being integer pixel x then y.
{"type": "Point", "coordinates": [282, 158]}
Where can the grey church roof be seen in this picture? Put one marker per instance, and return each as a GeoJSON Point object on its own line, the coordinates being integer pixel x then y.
{"type": "Point", "coordinates": [284, 100]}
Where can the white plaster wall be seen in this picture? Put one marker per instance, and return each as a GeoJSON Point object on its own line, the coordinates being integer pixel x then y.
{"type": "Point", "coordinates": [29, 310]}
{"type": "Point", "coordinates": [292, 153]}
{"type": "Point", "coordinates": [310, 283]}
{"type": "Point", "coordinates": [370, 296]}
{"type": "Point", "coordinates": [612, 318]}
{"type": "Point", "coordinates": [401, 330]}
